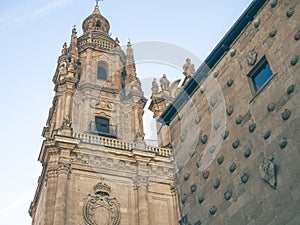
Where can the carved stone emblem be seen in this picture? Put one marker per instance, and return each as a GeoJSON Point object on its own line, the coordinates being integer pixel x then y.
{"type": "Point", "coordinates": [252, 57]}
{"type": "Point", "coordinates": [100, 209]}
{"type": "Point", "coordinates": [268, 172]}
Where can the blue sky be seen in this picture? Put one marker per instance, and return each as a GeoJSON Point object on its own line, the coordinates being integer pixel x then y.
{"type": "Point", "coordinates": [32, 34]}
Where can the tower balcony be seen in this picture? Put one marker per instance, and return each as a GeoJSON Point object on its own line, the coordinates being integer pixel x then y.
{"type": "Point", "coordinates": [103, 129]}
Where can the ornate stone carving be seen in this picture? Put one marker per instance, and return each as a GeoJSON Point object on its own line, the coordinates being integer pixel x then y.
{"type": "Point", "coordinates": [232, 52]}
{"type": "Point", "coordinates": [229, 110]}
{"type": "Point", "coordinates": [228, 195]}
{"type": "Point", "coordinates": [183, 198]}
{"type": "Point", "coordinates": [216, 73]}
{"type": "Point", "coordinates": [213, 101]}
{"type": "Point", "coordinates": [67, 123]}
{"type": "Point", "coordinates": [204, 139]}
{"type": "Point", "coordinates": [188, 68]}
{"type": "Point", "coordinates": [217, 126]}
{"type": "Point", "coordinates": [252, 57]}
{"type": "Point", "coordinates": [64, 168]}
{"type": "Point", "coordinates": [100, 208]}
{"type": "Point", "coordinates": [212, 149]}
{"type": "Point", "coordinates": [239, 120]}
{"type": "Point", "coordinates": [225, 134]}
{"type": "Point", "coordinates": [236, 144]}
{"type": "Point", "coordinates": [230, 82]}
{"type": "Point", "coordinates": [154, 88]}
{"type": "Point", "coordinates": [183, 136]}
{"type": "Point", "coordinates": [198, 222]}
{"type": "Point", "coordinates": [267, 134]}
{"type": "Point", "coordinates": [294, 60]}
{"type": "Point", "coordinates": [285, 115]}
{"type": "Point", "coordinates": [217, 184]}
{"type": "Point", "coordinates": [205, 174]}
{"type": "Point", "coordinates": [273, 3]}
{"type": "Point", "coordinates": [297, 35]}
{"type": "Point", "coordinates": [271, 107]}
{"type": "Point", "coordinates": [290, 89]}
{"type": "Point", "coordinates": [193, 188]}
{"type": "Point", "coordinates": [202, 89]}
{"type": "Point", "coordinates": [164, 83]}
{"type": "Point", "coordinates": [290, 12]}
{"type": "Point", "coordinates": [268, 172]}
{"type": "Point", "coordinates": [198, 163]}
{"type": "Point", "coordinates": [197, 119]}
{"type": "Point", "coordinates": [283, 143]}
{"type": "Point", "coordinates": [273, 33]}
{"type": "Point", "coordinates": [220, 160]}
{"type": "Point", "coordinates": [252, 127]}
{"type": "Point", "coordinates": [213, 210]}
{"type": "Point", "coordinates": [245, 178]}
{"type": "Point", "coordinates": [232, 167]}
{"type": "Point", "coordinates": [184, 221]}
{"type": "Point", "coordinates": [256, 23]}
{"type": "Point", "coordinates": [247, 153]}
{"type": "Point", "coordinates": [200, 199]}
{"type": "Point", "coordinates": [186, 176]}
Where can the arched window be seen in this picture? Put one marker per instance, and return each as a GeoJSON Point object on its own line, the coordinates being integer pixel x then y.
{"type": "Point", "coordinates": [102, 71]}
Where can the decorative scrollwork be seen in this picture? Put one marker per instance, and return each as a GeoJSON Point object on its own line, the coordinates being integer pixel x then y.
{"type": "Point", "coordinates": [100, 208]}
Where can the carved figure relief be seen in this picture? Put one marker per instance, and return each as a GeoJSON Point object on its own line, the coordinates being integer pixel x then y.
{"type": "Point", "coordinates": [268, 172]}
{"type": "Point", "coordinates": [100, 208]}
{"type": "Point", "coordinates": [252, 57]}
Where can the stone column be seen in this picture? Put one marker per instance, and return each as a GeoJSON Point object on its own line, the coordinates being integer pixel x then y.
{"type": "Point", "coordinates": [175, 204]}
{"type": "Point", "coordinates": [51, 178]}
{"type": "Point", "coordinates": [142, 197]}
{"type": "Point", "coordinates": [58, 113]}
{"type": "Point", "coordinates": [68, 104]}
{"type": "Point", "coordinates": [63, 172]}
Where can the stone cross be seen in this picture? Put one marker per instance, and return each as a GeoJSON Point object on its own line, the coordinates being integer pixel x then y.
{"type": "Point", "coordinates": [97, 2]}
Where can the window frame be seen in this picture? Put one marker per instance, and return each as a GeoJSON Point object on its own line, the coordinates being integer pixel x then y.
{"type": "Point", "coordinates": [258, 68]}
{"type": "Point", "coordinates": [99, 122]}
{"type": "Point", "coordinates": [102, 65]}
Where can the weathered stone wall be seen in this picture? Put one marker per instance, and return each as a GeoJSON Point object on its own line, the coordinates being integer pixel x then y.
{"type": "Point", "coordinates": [227, 135]}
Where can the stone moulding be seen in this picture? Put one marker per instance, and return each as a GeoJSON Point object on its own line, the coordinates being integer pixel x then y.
{"type": "Point", "coordinates": [268, 172]}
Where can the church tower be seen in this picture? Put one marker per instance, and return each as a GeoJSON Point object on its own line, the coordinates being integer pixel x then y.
{"type": "Point", "coordinates": [97, 168]}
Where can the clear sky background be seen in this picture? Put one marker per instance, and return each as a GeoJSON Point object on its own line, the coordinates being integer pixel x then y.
{"type": "Point", "coordinates": [32, 34]}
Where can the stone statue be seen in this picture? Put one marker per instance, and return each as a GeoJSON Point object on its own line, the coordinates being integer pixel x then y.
{"type": "Point", "coordinates": [71, 65]}
{"type": "Point", "coordinates": [164, 83]}
{"type": "Point", "coordinates": [64, 51]}
{"type": "Point", "coordinates": [154, 88]}
{"type": "Point", "coordinates": [188, 68]}
{"type": "Point", "coordinates": [66, 122]}
{"type": "Point", "coordinates": [62, 68]}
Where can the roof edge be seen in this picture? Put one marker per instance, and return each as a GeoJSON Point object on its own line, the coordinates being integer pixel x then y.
{"type": "Point", "coordinates": [202, 72]}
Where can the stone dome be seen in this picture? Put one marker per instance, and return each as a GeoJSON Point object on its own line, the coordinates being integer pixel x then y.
{"type": "Point", "coordinates": [96, 23]}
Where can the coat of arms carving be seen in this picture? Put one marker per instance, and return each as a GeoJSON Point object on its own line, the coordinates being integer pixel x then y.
{"type": "Point", "coordinates": [100, 208]}
{"type": "Point", "coordinates": [252, 57]}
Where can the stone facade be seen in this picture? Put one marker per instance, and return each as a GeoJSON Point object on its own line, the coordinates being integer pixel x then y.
{"type": "Point", "coordinates": [101, 172]}
{"type": "Point", "coordinates": [237, 146]}
{"type": "Point", "coordinates": [228, 138]}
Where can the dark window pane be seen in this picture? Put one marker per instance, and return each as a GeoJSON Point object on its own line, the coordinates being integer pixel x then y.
{"type": "Point", "coordinates": [102, 74]}
{"type": "Point", "coordinates": [262, 75]}
{"type": "Point", "coordinates": [102, 124]}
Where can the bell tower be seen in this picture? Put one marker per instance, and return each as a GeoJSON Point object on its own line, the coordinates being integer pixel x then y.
{"type": "Point", "coordinates": [97, 168]}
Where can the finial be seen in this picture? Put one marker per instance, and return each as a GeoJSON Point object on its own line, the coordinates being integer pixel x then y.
{"type": "Point", "coordinates": [97, 2]}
